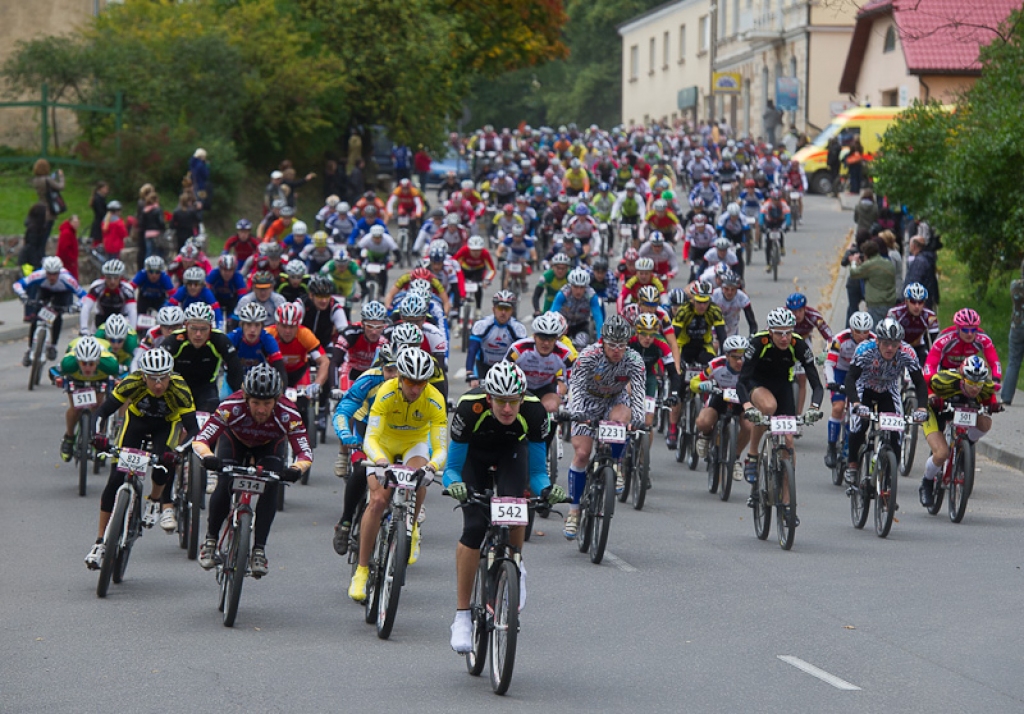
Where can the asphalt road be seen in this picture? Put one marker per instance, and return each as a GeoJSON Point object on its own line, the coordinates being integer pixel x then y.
{"type": "Point", "coordinates": [690, 612]}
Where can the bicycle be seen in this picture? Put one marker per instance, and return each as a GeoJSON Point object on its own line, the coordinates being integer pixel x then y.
{"type": "Point", "coordinates": [46, 314]}
{"type": "Point", "coordinates": [125, 524]}
{"type": "Point", "coordinates": [636, 465]}
{"type": "Point", "coordinates": [722, 454]}
{"type": "Point", "coordinates": [391, 548]}
{"type": "Point", "coordinates": [774, 248]}
{"type": "Point", "coordinates": [189, 495]}
{"type": "Point", "coordinates": [232, 554]}
{"type": "Point", "coordinates": [405, 256]}
{"type": "Point", "coordinates": [877, 474]}
{"type": "Point", "coordinates": [467, 313]}
{"type": "Point", "coordinates": [910, 433]}
{"type": "Point", "coordinates": [494, 604]}
{"type": "Point", "coordinates": [772, 472]}
{"type": "Point", "coordinates": [686, 446]}
{"type": "Point", "coordinates": [958, 473]}
{"type": "Point", "coordinates": [85, 399]}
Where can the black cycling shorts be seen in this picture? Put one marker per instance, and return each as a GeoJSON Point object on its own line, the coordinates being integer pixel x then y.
{"type": "Point", "coordinates": [512, 478]}
{"type": "Point", "coordinates": [784, 399]}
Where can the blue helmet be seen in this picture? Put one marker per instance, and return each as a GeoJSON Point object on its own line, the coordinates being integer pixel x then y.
{"type": "Point", "coordinates": [582, 209]}
{"type": "Point", "coordinates": [796, 301]}
{"type": "Point", "coordinates": [602, 187]}
{"type": "Point", "coordinates": [915, 291]}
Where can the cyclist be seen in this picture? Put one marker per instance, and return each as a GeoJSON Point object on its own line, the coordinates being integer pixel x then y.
{"type": "Point", "coordinates": [256, 422]}
{"type": "Point", "coordinates": [874, 379]}
{"type": "Point", "coordinates": [254, 344]}
{"type": "Point", "coordinates": [808, 320]}
{"type": "Point", "coordinates": [731, 300]}
{"type": "Point", "coordinates": [413, 310]}
{"type": "Point", "coordinates": [190, 256]}
{"type": "Point", "coordinates": [169, 319]}
{"type": "Point", "coordinates": [765, 384]}
{"type": "Point", "coordinates": [106, 296]}
{"type": "Point", "coordinates": [958, 342]}
{"type": "Point", "coordinates": [52, 283]}
{"type": "Point", "coordinates": [477, 265]}
{"type": "Point", "coordinates": [733, 225]}
{"type": "Point", "coordinates": [321, 313]}
{"type": "Point", "coordinates": [199, 352]}
{"type": "Point", "coordinates": [492, 336]}
{"type": "Point", "coordinates": [153, 286]}
{"type": "Point", "coordinates": [628, 209]}
{"type": "Point", "coordinates": [604, 283]}
{"type": "Point", "coordinates": [376, 248]}
{"type": "Point", "coordinates": [644, 276]}
{"type": "Point", "coordinates": [268, 260]}
{"type": "Point", "coordinates": [775, 215]}
{"type": "Point", "coordinates": [666, 265]}
{"type": "Point", "coordinates": [263, 295]}
{"type": "Point", "coordinates": [722, 372]}
{"type": "Point", "coordinates": [971, 384]}
{"type": "Point", "coordinates": [499, 426]}
{"type": "Point", "coordinates": [408, 422]}
{"type": "Point", "coordinates": [720, 253]}
{"type": "Point", "coordinates": [299, 346]}
{"type": "Point", "coordinates": [345, 274]}
{"type": "Point", "coordinates": [544, 360]}
{"type": "Point", "coordinates": [655, 352]}
{"type": "Point", "coordinates": [87, 361]}
{"type": "Point", "coordinates": [158, 402]}
{"type": "Point", "coordinates": [408, 201]}
{"type": "Point", "coordinates": [293, 279]}
{"type": "Point", "coordinates": [919, 323]}
{"type": "Point", "coordinates": [517, 248]}
{"type": "Point", "coordinates": [837, 363]}
{"type": "Point", "coordinates": [607, 382]}
{"type": "Point", "coordinates": [664, 221]}
{"type": "Point", "coordinates": [227, 284]}
{"type": "Point", "coordinates": [437, 286]}
{"type": "Point", "coordinates": [119, 339]}
{"type": "Point", "coordinates": [194, 290]}
{"type": "Point", "coordinates": [318, 253]}
{"type": "Point", "coordinates": [581, 307]}
{"type": "Point", "coordinates": [243, 244]}
{"type": "Point", "coordinates": [551, 282]}
{"type": "Point", "coordinates": [582, 226]}
{"type": "Point", "coordinates": [293, 244]}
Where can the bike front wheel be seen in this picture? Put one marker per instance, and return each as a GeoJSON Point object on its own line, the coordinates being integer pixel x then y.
{"type": "Point", "coordinates": [787, 514]}
{"type": "Point", "coordinates": [886, 478]}
{"type": "Point", "coordinates": [37, 359]}
{"type": "Point", "coordinates": [691, 436]}
{"type": "Point", "coordinates": [602, 510]}
{"type": "Point", "coordinates": [235, 563]}
{"type": "Point", "coordinates": [962, 482]}
{"type": "Point", "coordinates": [196, 494]}
{"type": "Point", "coordinates": [641, 472]}
{"type": "Point", "coordinates": [111, 541]}
{"type": "Point", "coordinates": [392, 577]}
{"type": "Point", "coordinates": [859, 503]}
{"type": "Point", "coordinates": [83, 448]}
{"type": "Point", "coordinates": [477, 657]}
{"type": "Point", "coordinates": [762, 507]}
{"type": "Point", "coordinates": [727, 459]}
{"type": "Point", "coordinates": [506, 626]}
{"type": "Point", "coordinates": [909, 445]}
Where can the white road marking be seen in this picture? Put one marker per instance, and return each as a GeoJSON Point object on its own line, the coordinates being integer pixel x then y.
{"type": "Point", "coordinates": [821, 674]}
{"type": "Point", "coordinates": [619, 562]}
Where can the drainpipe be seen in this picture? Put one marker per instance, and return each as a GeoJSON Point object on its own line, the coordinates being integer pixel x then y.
{"type": "Point", "coordinates": [807, 68]}
{"type": "Point", "coordinates": [927, 89]}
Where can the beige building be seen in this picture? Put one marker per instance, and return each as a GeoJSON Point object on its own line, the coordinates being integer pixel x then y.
{"type": "Point", "coordinates": [666, 63]}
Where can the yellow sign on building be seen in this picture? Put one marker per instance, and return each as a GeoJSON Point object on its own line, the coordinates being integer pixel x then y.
{"type": "Point", "coordinates": [726, 83]}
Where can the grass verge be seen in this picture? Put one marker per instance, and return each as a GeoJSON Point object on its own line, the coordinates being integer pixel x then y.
{"type": "Point", "coordinates": [17, 196]}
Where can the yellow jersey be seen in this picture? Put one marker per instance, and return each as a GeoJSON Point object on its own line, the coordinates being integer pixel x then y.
{"type": "Point", "coordinates": [397, 425]}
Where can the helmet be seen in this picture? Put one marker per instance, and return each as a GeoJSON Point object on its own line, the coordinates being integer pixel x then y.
{"type": "Point", "coordinates": [734, 209]}
{"type": "Point", "coordinates": [781, 318]}
{"type": "Point", "coordinates": [974, 369]}
{"type": "Point", "coordinates": [631, 185]}
{"type": "Point", "coordinates": [603, 187]}
{"type": "Point", "coordinates": [263, 382]}
{"type": "Point", "coordinates": [195, 274]}
{"type": "Point", "coordinates": [295, 269]}
{"type": "Point", "coordinates": [225, 262]}
{"type": "Point", "coordinates": [287, 211]}
{"type": "Point", "coordinates": [452, 219]}
{"type": "Point", "coordinates": [333, 201]}
{"type": "Point", "coordinates": [723, 243]}
{"type": "Point", "coordinates": [373, 311]}
{"type": "Point", "coordinates": [88, 349]}
{"type": "Point", "coordinates": [579, 277]}
{"type": "Point", "coordinates": [600, 263]}
{"type": "Point", "coordinates": [320, 285]}
{"type": "Point", "coordinates": [660, 205]}
{"type": "Point", "coordinates": [407, 334]}
{"type": "Point", "coordinates": [775, 194]}
{"type": "Point", "coordinates": [253, 312]}
{"type": "Point", "coordinates": [156, 363]}
{"type": "Point", "coordinates": [113, 268]}
{"type": "Point", "coordinates": [477, 243]}
{"type": "Point", "coordinates": [562, 198]}
{"type": "Point", "coordinates": [288, 314]}
{"type": "Point", "coordinates": [412, 306]}
{"type": "Point", "coordinates": [889, 329]}
{"type": "Point", "coordinates": [505, 379]}
{"type": "Point", "coordinates": [547, 324]}
{"type": "Point", "coordinates": [750, 183]}
{"type": "Point", "coordinates": [199, 312]}
{"type": "Point", "coordinates": [467, 185]}
{"type": "Point", "coordinates": [647, 324]}
{"type": "Point", "coordinates": [170, 316]}
{"type": "Point", "coordinates": [413, 363]}
{"type": "Point", "coordinates": [508, 209]}
{"type": "Point", "coordinates": [735, 342]}
{"type": "Point", "coordinates": [299, 228]}
{"type": "Point", "coordinates": [504, 297]}
{"type": "Point", "coordinates": [915, 291]}
{"type": "Point", "coordinates": [562, 322]}
{"type": "Point", "coordinates": [699, 221]}
{"type": "Point", "coordinates": [419, 285]}
{"type": "Point", "coordinates": [631, 254]}
{"type": "Point", "coordinates": [405, 183]}
{"type": "Point", "coordinates": [437, 244]}
{"type": "Point", "coordinates": [386, 355]}
{"type": "Point", "coordinates": [697, 202]}
{"type": "Point", "coordinates": [645, 264]}
{"type": "Point", "coordinates": [731, 279]}
{"type": "Point", "coordinates": [560, 259]}
{"type": "Point", "coordinates": [244, 224]}
{"type": "Point", "coordinates": [320, 239]}
{"type": "Point", "coordinates": [420, 274]}
{"type": "Point", "coordinates": [116, 327]}
{"type": "Point", "coordinates": [369, 211]}
{"type": "Point", "coordinates": [501, 174]}
{"type": "Point", "coordinates": [616, 329]}
{"type": "Point", "coordinates": [797, 301]}
{"type": "Point", "coordinates": [966, 318]}
{"type": "Point", "coordinates": [537, 180]}
{"type": "Point", "coordinates": [343, 207]}
{"type": "Point", "coordinates": [438, 253]}
{"type": "Point", "coordinates": [575, 164]}
{"type": "Point", "coordinates": [676, 296]}
{"type": "Point", "coordinates": [861, 321]}
{"type": "Point", "coordinates": [702, 290]}
{"type": "Point", "coordinates": [273, 249]}
{"type": "Point", "coordinates": [657, 238]}
{"type": "Point", "coordinates": [263, 278]}
{"type": "Point", "coordinates": [648, 294]}
{"type": "Point", "coordinates": [52, 264]}
{"type": "Point", "coordinates": [154, 263]}
{"type": "Point", "coordinates": [581, 209]}
{"type": "Point", "coordinates": [377, 230]}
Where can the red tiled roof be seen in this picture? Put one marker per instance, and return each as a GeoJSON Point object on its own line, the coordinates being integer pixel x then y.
{"type": "Point", "coordinates": [945, 35]}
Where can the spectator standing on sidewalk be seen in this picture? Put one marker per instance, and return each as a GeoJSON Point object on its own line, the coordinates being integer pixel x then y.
{"type": "Point", "coordinates": [422, 162]}
{"type": "Point", "coordinates": [45, 184]}
{"type": "Point", "coordinates": [33, 247]}
{"type": "Point", "coordinates": [114, 231]}
{"type": "Point", "coordinates": [334, 179]}
{"type": "Point", "coordinates": [772, 120]}
{"type": "Point", "coordinates": [151, 227]}
{"type": "Point", "coordinates": [98, 204]}
{"type": "Point", "coordinates": [1016, 339]}
{"type": "Point", "coordinates": [921, 269]}
{"type": "Point", "coordinates": [184, 221]}
{"type": "Point", "coordinates": [865, 213]}
{"type": "Point", "coordinates": [893, 253]}
{"type": "Point", "coordinates": [355, 151]}
{"type": "Point", "coordinates": [67, 245]}
{"type": "Point", "coordinates": [855, 165]}
{"type": "Point", "coordinates": [834, 164]}
{"type": "Point", "coordinates": [878, 273]}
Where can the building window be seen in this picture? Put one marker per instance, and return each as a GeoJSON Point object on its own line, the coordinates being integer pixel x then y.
{"type": "Point", "coordinates": [654, 44]}
{"type": "Point", "coordinates": [703, 34]}
{"type": "Point", "coordinates": [890, 40]}
{"type": "Point", "coordinates": [735, 16]}
{"type": "Point", "coordinates": [664, 51]}
{"type": "Point", "coordinates": [891, 98]}
{"type": "Point", "coordinates": [682, 44]}
{"type": "Point", "coordinates": [634, 63]}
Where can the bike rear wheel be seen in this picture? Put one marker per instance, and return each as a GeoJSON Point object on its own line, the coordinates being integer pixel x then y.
{"type": "Point", "coordinates": [506, 626]}
{"type": "Point", "coordinates": [236, 563]}
{"type": "Point", "coordinates": [909, 446]}
{"type": "Point", "coordinates": [111, 540]}
{"type": "Point", "coordinates": [727, 459]}
{"type": "Point", "coordinates": [392, 577]}
{"type": "Point", "coordinates": [641, 471]}
{"type": "Point", "coordinates": [83, 448]}
{"type": "Point", "coordinates": [773, 252]}
{"type": "Point", "coordinates": [691, 436]}
{"type": "Point", "coordinates": [859, 503]}
{"type": "Point", "coordinates": [887, 477]}
{"type": "Point", "coordinates": [603, 508]}
{"type": "Point", "coordinates": [373, 582]}
{"type": "Point", "coordinates": [37, 359]}
{"type": "Point", "coordinates": [628, 467]}
{"type": "Point", "coordinates": [196, 494]}
{"type": "Point", "coordinates": [962, 482]}
{"type": "Point", "coordinates": [476, 658]}
{"type": "Point", "coordinates": [712, 459]}
{"type": "Point", "coordinates": [787, 521]}
{"type": "Point", "coordinates": [584, 534]}
{"type": "Point", "coordinates": [181, 508]}
{"type": "Point", "coordinates": [762, 509]}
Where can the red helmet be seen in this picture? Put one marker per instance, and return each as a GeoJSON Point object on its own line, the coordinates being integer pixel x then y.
{"type": "Point", "coordinates": [630, 255]}
{"type": "Point", "coordinates": [421, 274]}
{"type": "Point", "coordinates": [508, 208]}
{"type": "Point", "coordinates": [966, 318]}
{"type": "Point", "coordinates": [289, 314]}
{"type": "Point", "coordinates": [750, 183]}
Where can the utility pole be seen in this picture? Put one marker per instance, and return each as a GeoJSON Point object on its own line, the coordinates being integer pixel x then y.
{"type": "Point", "coordinates": [712, 49]}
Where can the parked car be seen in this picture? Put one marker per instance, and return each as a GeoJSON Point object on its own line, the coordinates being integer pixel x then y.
{"type": "Point", "coordinates": [450, 162]}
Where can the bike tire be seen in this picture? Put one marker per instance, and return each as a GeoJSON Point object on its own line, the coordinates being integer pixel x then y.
{"type": "Point", "coordinates": [37, 360]}
{"type": "Point", "coordinates": [532, 511]}
{"type": "Point", "coordinates": [376, 568]}
{"type": "Point", "coordinates": [962, 482]}
{"type": "Point", "coordinates": [83, 448]}
{"type": "Point", "coordinates": [311, 432]}
{"type": "Point", "coordinates": [181, 504]}
{"type": "Point", "coordinates": [393, 578]}
{"type": "Point", "coordinates": [505, 635]}
{"type": "Point", "coordinates": [839, 470]}
{"type": "Point", "coordinates": [691, 454]}
{"type": "Point", "coordinates": [859, 503]}
{"type": "Point", "coordinates": [727, 460]}
{"type": "Point", "coordinates": [196, 494]}
{"type": "Point", "coordinates": [762, 511]}
{"type": "Point", "coordinates": [115, 527]}
{"type": "Point", "coordinates": [910, 434]}
{"type": "Point", "coordinates": [774, 252]}
{"type": "Point", "coordinates": [628, 467]}
{"type": "Point", "coordinates": [887, 478]}
{"type": "Point", "coordinates": [603, 512]}
{"type": "Point", "coordinates": [465, 327]}
{"type": "Point", "coordinates": [641, 471]}
{"type": "Point", "coordinates": [938, 491]}
{"type": "Point", "coordinates": [476, 658]}
{"type": "Point", "coordinates": [238, 559]}
{"type": "Point", "coordinates": [584, 534]}
{"type": "Point", "coordinates": [786, 525]}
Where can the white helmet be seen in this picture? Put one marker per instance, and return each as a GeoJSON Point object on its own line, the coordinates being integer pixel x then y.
{"type": "Point", "coordinates": [295, 268]}
{"type": "Point", "coordinates": [156, 362]}
{"type": "Point", "coordinates": [170, 316]}
{"type": "Point", "coordinates": [88, 349]}
{"type": "Point", "coordinates": [780, 317]}
{"type": "Point", "coordinates": [299, 228]}
{"type": "Point", "coordinates": [579, 277]}
{"type": "Point", "coordinates": [199, 312]}
{"type": "Point", "coordinates": [253, 312]}
{"type": "Point", "coordinates": [476, 243]}
{"type": "Point", "coordinates": [195, 274]}
{"type": "Point", "coordinates": [467, 185]}
{"type": "Point", "coordinates": [116, 327]}
{"type": "Point", "coordinates": [505, 379]}
{"type": "Point", "coordinates": [547, 324]}
{"type": "Point", "coordinates": [155, 263]}
{"type": "Point", "coordinates": [735, 342]}
{"type": "Point", "coordinates": [413, 363]}
{"type": "Point", "coordinates": [407, 334]}
{"type": "Point", "coordinates": [734, 209]}
{"type": "Point", "coordinates": [52, 264]}
{"type": "Point", "coordinates": [861, 321]}
{"type": "Point", "coordinates": [114, 268]}
{"type": "Point", "coordinates": [645, 264]}
{"type": "Point", "coordinates": [452, 219]}
{"type": "Point", "coordinates": [377, 230]}
{"type": "Point", "coordinates": [723, 243]}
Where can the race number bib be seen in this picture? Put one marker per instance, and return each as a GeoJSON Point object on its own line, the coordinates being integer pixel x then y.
{"type": "Point", "coordinates": [47, 315]}
{"type": "Point", "coordinates": [509, 512]}
{"type": "Point", "coordinates": [133, 460]}
{"type": "Point", "coordinates": [794, 195]}
{"type": "Point", "coordinates": [691, 373]}
{"type": "Point", "coordinates": [726, 187]}
{"type": "Point", "coordinates": [248, 485]}
{"type": "Point", "coordinates": [403, 477]}
{"type": "Point", "coordinates": [515, 268]}
{"type": "Point", "coordinates": [650, 404]}
{"type": "Point", "coordinates": [625, 231]}
{"type": "Point", "coordinates": [471, 288]}
{"type": "Point", "coordinates": [783, 425]}
{"type": "Point", "coordinates": [291, 394]}
{"type": "Point", "coordinates": [83, 398]}
{"type": "Point", "coordinates": [146, 321]}
{"type": "Point", "coordinates": [889, 421]}
{"type": "Point", "coordinates": [965, 417]}
{"type": "Point", "coordinates": [403, 220]}
{"type": "Point", "coordinates": [612, 432]}
{"type": "Point", "coordinates": [374, 268]}
{"type": "Point", "coordinates": [202, 418]}
{"type": "Point", "coordinates": [730, 396]}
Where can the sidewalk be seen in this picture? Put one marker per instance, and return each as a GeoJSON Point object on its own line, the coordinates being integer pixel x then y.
{"type": "Point", "coordinates": [13, 326]}
{"type": "Point", "coordinates": [1004, 443]}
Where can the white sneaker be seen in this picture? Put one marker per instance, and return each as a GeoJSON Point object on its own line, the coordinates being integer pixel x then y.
{"type": "Point", "coordinates": [702, 447]}
{"type": "Point", "coordinates": [168, 521]}
{"type": "Point", "coordinates": [462, 632]}
{"type": "Point", "coordinates": [211, 482]}
{"type": "Point", "coordinates": [95, 556]}
{"type": "Point", "coordinates": [152, 513]}
{"type": "Point", "coordinates": [522, 587]}
{"type": "Point", "coordinates": [737, 471]}
{"type": "Point", "coordinates": [620, 484]}
{"type": "Point", "coordinates": [206, 553]}
{"type": "Point", "coordinates": [572, 522]}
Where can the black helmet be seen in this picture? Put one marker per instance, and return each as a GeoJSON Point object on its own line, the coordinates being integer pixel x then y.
{"type": "Point", "coordinates": [320, 285]}
{"type": "Point", "coordinates": [263, 382]}
{"type": "Point", "coordinates": [616, 329]}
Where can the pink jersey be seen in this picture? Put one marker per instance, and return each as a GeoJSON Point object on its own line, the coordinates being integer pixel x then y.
{"type": "Point", "coordinates": [232, 417]}
{"type": "Point", "coordinates": [813, 320]}
{"type": "Point", "coordinates": [949, 351]}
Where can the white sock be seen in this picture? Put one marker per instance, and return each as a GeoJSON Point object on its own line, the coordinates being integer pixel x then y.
{"type": "Point", "coordinates": [931, 470]}
{"type": "Point", "coordinates": [462, 615]}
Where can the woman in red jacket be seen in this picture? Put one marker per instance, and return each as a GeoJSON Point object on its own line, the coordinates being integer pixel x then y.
{"type": "Point", "coordinates": [67, 245]}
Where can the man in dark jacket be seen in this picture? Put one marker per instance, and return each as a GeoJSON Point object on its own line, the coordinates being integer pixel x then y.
{"type": "Point", "coordinates": [921, 269]}
{"type": "Point", "coordinates": [834, 149]}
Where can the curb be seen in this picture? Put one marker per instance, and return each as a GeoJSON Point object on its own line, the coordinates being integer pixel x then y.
{"type": "Point", "coordinates": [1000, 455]}
{"type": "Point", "coordinates": [19, 332]}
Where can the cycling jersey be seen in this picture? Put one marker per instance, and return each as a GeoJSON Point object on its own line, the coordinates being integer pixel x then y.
{"type": "Point", "coordinates": [227, 291]}
{"type": "Point", "coordinates": [712, 258]}
{"type": "Point", "coordinates": [540, 370]}
{"type": "Point", "coordinates": [358, 400]}
{"type": "Point", "coordinates": [36, 286]}
{"type": "Point", "coordinates": [699, 241]}
{"type": "Point", "coordinates": [265, 349]}
{"type": "Point", "coordinates": [949, 351]}
{"type": "Point", "coordinates": [551, 284]}
{"type": "Point", "coordinates": [298, 352]}
{"type": "Point", "coordinates": [579, 311]}
{"type": "Point", "coordinates": [344, 274]}
{"type": "Point", "coordinates": [325, 324]}
{"type": "Point", "coordinates": [731, 310]}
{"type": "Point", "coordinates": [353, 345]}
{"type": "Point", "coordinates": [597, 384]}
{"type": "Point", "coordinates": [232, 417]}
{"type": "Point", "coordinates": [665, 222]}
{"type": "Point", "coordinates": [583, 228]}
{"type": "Point", "coordinates": [945, 385]}
{"type": "Point", "coordinates": [397, 425]}
{"type": "Point", "coordinates": [577, 180]}
{"type": "Point", "coordinates": [656, 352]}
{"type": "Point", "coordinates": [840, 353]}
{"type": "Point", "coordinates": [291, 291]}
{"type": "Point", "coordinates": [607, 289]}
{"type": "Point", "coordinates": [201, 366]}
{"type": "Point", "coordinates": [243, 248]}
{"type": "Point", "coordinates": [377, 251]}
{"type": "Point", "coordinates": [124, 353]}
{"type": "Point", "coordinates": [870, 371]}
{"type": "Point", "coordinates": [517, 252]}
{"type": "Point", "coordinates": [107, 369]}
{"type": "Point", "coordinates": [813, 320]}
{"type": "Point", "coordinates": [765, 365]}
{"type": "Point", "coordinates": [171, 406]}
{"type": "Point", "coordinates": [108, 302]}
{"type": "Point", "coordinates": [719, 373]}
{"type": "Point", "coordinates": [465, 258]}
{"type": "Point", "coordinates": [436, 285]}
{"type": "Point", "coordinates": [915, 327]}
{"type": "Point", "coordinates": [632, 286]}
{"type": "Point", "coordinates": [692, 327]}
{"type": "Point", "coordinates": [665, 261]}
{"type": "Point", "coordinates": [273, 301]}
{"type": "Point", "coordinates": [490, 342]}
{"type": "Point", "coordinates": [182, 299]}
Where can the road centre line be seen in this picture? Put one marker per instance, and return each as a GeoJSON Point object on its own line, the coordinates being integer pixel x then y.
{"type": "Point", "coordinates": [821, 674]}
{"type": "Point", "coordinates": [619, 562]}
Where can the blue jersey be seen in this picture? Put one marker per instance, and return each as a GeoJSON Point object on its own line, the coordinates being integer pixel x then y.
{"type": "Point", "coordinates": [183, 299]}
{"type": "Point", "coordinates": [293, 247]}
{"type": "Point", "coordinates": [265, 349]}
{"type": "Point", "coordinates": [31, 284]}
{"type": "Point", "coordinates": [153, 291]}
{"type": "Point", "coordinates": [518, 253]}
{"type": "Point", "coordinates": [228, 291]}
{"type": "Point", "coordinates": [362, 227]}
{"type": "Point", "coordinates": [355, 405]}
